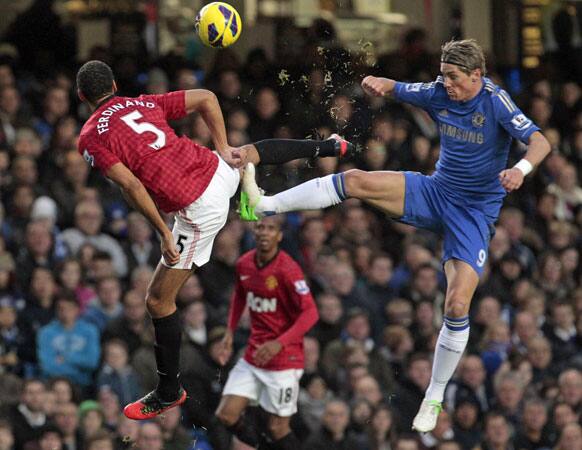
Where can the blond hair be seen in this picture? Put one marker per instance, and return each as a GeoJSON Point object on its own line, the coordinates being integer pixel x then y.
{"type": "Point", "coordinates": [466, 54]}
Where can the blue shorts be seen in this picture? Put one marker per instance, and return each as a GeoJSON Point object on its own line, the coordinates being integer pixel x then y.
{"type": "Point", "coordinates": [465, 229]}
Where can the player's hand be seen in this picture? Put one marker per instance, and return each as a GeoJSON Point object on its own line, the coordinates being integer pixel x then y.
{"type": "Point", "coordinates": [169, 251]}
{"type": "Point", "coordinates": [266, 352]}
{"type": "Point", "coordinates": [375, 86]}
{"type": "Point", "coordinates": [225, 350]}
{"type": "Point", "coordinates": [232, 156]}
{"type": "Point", "coordinates": [511, 179]}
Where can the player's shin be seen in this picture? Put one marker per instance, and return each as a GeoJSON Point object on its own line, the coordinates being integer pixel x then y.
{"type": "Point", "coordinates": [279, 151]}
{"type": "Point", "coordinates": [313, 194]}
{"type": "Point", "coordinates": [245, 431]}
{"type": "Point", "coordinates": [450, 346]}
{"type": "Point", "coordinates": [287, 442]}
{"type": "Point", "coordinates": [168, 332]}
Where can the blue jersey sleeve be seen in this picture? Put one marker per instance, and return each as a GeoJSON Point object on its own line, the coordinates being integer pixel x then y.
{"type": "Point", "coordinates": [417, 94]}
{"type": "Point", "coordinates": [510, 117]}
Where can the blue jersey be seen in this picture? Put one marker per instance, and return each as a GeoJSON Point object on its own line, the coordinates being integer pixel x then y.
{"type": "Point", "coordinates": [475, 138]}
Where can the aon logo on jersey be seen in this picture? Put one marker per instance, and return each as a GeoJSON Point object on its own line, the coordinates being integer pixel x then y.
{"type": "Point", "coordinates": [260, 305]}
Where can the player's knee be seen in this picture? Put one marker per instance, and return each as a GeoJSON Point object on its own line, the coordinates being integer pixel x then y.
{"type": "Point", "coordinates": [456, 306]}
{"type": "Point", "coordinates": [226, 417]}
{"type": "Point", "coordinates": [355, 182]}
{"type": "Point", "coordinates": [278, 427]}
{"type": "Point", "coordinates": [154, 303]}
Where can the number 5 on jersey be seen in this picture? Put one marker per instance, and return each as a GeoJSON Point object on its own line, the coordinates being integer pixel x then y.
{"type": "Point", "coordinates": [131, 118]}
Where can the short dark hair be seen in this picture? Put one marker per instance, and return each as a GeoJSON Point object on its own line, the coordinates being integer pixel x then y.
{"type": "Point", "coordinates": [95, 80]}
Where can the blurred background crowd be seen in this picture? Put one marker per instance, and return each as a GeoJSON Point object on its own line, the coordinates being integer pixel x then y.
{"type": "Point", "coordinates": [75, 261]}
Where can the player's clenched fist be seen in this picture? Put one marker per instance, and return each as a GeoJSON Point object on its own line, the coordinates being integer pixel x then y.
{"type": "Point", "coordinates": [376, 86]}
{"type": "Point", "coordinates": [511, 179]}
{"type": "Point", "coordinates": [169, 251]}
{"type": "Point", "coordinates": [267, 351]}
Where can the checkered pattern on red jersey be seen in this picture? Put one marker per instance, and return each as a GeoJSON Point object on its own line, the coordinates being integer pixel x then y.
{"type": "Point", "coordinates": [276, 295]}
{"type": "Point", "coordinates": [135, 132]}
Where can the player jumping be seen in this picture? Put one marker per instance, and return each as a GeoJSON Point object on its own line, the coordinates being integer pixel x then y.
{"type": "Point", "coordinates": [282, 310]}
{"type": "Point", "coordinates": [130, 142]}
{"type": "Point", "coordinates": [460, 201]}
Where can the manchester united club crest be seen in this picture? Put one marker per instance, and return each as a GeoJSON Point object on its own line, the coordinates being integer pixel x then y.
{"type": "Point", "coordinates": [478, 120]}
{"type": "Point", "coordinates": [271, 282]}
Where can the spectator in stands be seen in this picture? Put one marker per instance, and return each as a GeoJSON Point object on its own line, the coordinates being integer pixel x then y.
{"type": "Point", "coordinates": [6, 436]}
{"type": "Point", "coordinates": [140, 247]}
{"type": "Point", "coordinates": [102, 440]}
{"type": "Point", "coordinates": [117, 374]}
{"type": "Point", "coordinates": [70, 277]}
{"type": "Point", "coordinates": [67, 420]}
{"type": "Point", "coordinates": [133, 326]}
{"type": "Point", "coordinates": [68, 346]}
{"type": "Point", "coordinates": [509, 389]}
{"type": "Point", "coordinates": [38, 251]}
{"type": "Point", "coordinates": [570, 437]}
{"type": "Point", "coordinates": [570, 384]}
{"type": "Point", "coordinates": [533, 432]}
{"type": "Point", "coordinates": [108, 306]}
{"type": "Point", "coordinates": [562, 332]}
{"type": "Point", "coordinates": [51, 438]}
{"type": "Point", "coordinates": [409, 395]}
{"type": "Point", "coordinates": [466, 421]}
{"type": "Point", "coordinates": [28, 416]}
{"type": "Point", "coordinates": [333, 429]}
{"type": "Point", "coordinates": [470, 385]}
{"type": "Point", "coordinates": [195, 318]}
{"type": "Point", "coordinates": [329, 326]}
{"type": "Point", "coordinates": [150, 437]}
{"type": "Point", "coordinates": [88, 222]}
{"type": "Point", "coordinates": [55, 106]}
{"type": "Point", "coordinates": [91, 419]}
{"type": "Point", "coordinates": [496, 432]}
{"type": "Point", "coordinates": [175, 435]}
{"type": "Point", "coordinates": [562, 415]}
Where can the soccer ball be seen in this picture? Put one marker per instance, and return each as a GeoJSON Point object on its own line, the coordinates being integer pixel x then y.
{"type": "Point", "coordinates": [218, 24]}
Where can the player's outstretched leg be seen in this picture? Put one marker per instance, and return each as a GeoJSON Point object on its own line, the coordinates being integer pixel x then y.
{"type": "Point", "coordinates": [280, 151]}
{"type": "Point", "coordinates": [313, 194]}
{"type": "Point", "coordinates": [462, 281]}
{"type": "Point", "coordinates": [384, 190]}
{"type": "Point", "coordinates": [161, 305]}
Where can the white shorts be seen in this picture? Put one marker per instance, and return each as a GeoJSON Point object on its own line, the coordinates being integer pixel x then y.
{"type": "Point", "coordinates": [276, 391]}
{"type": "Point", "coordinates": [196, 226]}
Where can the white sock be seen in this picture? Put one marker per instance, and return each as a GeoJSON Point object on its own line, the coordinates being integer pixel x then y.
{"type": "Point", "coordinates": [450, 346]}
{"type": "Point", "coordinates": [313, 194]}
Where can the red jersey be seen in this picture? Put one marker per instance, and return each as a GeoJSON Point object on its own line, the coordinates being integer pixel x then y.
{"type": "Point", "coordinates": [135, 131]}
{"type": "Point", "coordinates": [280, 305]}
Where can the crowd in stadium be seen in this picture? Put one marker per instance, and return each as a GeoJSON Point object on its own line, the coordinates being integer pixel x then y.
{"type": "Point", "coordinates": [75, 262]}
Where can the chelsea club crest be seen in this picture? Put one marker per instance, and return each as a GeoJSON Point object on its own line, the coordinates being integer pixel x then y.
{"type": "Point", "coordinates": [478, 119]}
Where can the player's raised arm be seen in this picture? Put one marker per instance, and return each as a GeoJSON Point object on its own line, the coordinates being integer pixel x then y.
{"type": "Point", "coordinates": [378, 86]}
{"type": "Point", "coordinates": [137, 195]}
{"type": "Point", "coordinates": [538, 148]}
{"type": "Point", "coordinates": [205, 102]}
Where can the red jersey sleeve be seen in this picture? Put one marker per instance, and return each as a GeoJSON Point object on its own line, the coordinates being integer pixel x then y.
{"type": "Point", "coordinates": [237, 304]}
{"type": "Point", "coordinates": [173, 104]}
{"type": "Point", "coordinates": [96, 154]}
{"type": "Point", "coordinates": [300, 294]}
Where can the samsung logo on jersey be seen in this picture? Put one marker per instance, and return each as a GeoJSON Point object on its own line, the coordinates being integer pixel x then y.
{"type": "Point", "coordinates": [261, 305]}
{"type": "Point", "coordinates": [461, 135]}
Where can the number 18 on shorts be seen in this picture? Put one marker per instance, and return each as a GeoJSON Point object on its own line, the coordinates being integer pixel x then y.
{"type": "Point", "coordinates": [275, 391]}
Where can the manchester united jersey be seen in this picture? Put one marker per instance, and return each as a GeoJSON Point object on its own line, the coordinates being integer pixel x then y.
{"type": "Point", "coordinates": [280, 304]}
{"type": "Point", "coordinates": [134, 131]}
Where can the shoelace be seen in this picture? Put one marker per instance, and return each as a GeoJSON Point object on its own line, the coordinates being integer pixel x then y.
{"type": "Point", "coordinates": [151, 404]}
